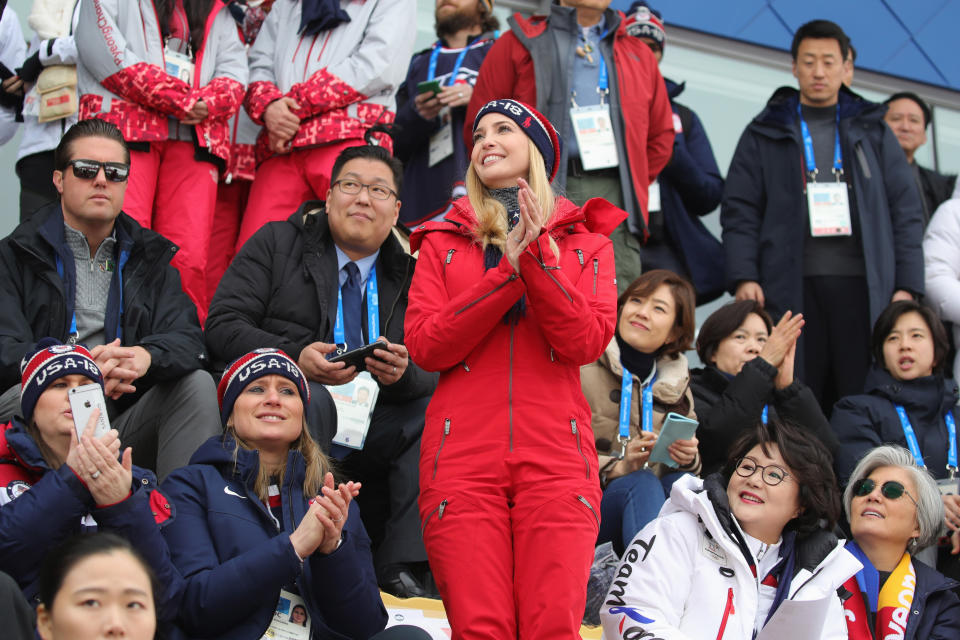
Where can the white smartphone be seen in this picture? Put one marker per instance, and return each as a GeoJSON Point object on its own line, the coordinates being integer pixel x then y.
{"type": "Point", "coordinates": [83, 400]}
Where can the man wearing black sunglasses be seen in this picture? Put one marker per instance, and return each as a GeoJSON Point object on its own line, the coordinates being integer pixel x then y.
{"type": "Point", "coordinates": [81, 270]}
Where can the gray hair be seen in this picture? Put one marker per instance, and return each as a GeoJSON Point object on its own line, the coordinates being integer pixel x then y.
{"type": "Point", "coordinates": [930, 512]}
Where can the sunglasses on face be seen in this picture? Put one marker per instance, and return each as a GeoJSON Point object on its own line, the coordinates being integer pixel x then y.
{"type": "Point", "coordinates": [89, 169]}
{"type": "Point", "coordinates": [891, 489]}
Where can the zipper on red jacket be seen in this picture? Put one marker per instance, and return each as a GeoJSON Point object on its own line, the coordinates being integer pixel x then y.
{"type": "Point", "coordinates": [590, 506]}
{"type": "Point", "coordinates": [439, 511]}
{"type": "Point", "coordinates": [513, 276]}
{"type": "Point", "coordinates": [449, 258]}
{"type": "Point", "coordinates": [579, 256]}
{"type": "Point", "coordinates": [596, 272]}
{"type": "Point", "coordinates": [443, 438]}
{"type": "Point", "coordinates": [727, 612]}
{"type": "Point", "coordinates": [576, 434]}
{"type": "Point", "coordinates": [510, 383]}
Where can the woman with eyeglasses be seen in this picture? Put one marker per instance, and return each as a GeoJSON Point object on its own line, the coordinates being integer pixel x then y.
{"type": "Point", "coordinates": [727, 551]}
{"type": "Point", "coordinates": [894, 509]}
{"type": "Point", "coordinates": [748, 371]}
{"type": "Point", "coordinates": [908, 402]}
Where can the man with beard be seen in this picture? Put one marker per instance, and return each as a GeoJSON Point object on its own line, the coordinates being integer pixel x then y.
{"type": "Point", "coordinates": [431, 107]}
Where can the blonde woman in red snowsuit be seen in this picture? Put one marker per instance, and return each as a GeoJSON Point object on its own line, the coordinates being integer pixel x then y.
{"type": "Point", "coordinates": [512, 293]}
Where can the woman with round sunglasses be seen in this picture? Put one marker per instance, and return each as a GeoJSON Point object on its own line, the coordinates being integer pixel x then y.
{"type": "Point", "coordinates": [748, 372]}
{"type": "Point", "coordinates": [727, 551]}
{"type": "Point", "coordinates": [908, 402]}
{"type": "Point", "coordinates": [894, 509]}
{"type": "Point", "coordinates": [640, 378]}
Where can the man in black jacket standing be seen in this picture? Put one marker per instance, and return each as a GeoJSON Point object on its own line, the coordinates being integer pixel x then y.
{"type": "Point", "coordinates": [82, 271]}
{"type": "Point", "coordinates": [821, 216]}
{"type": "Point", "coordinates": [288, 287]}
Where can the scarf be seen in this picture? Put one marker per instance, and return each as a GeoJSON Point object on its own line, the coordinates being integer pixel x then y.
{"type": "Point", "coordinates": [877, 612]}
{"type": "Point", "coordinates": [636, 362]}
{"type": "Point", "coordinates": [320, 15]}
{"type": "Point", "coordinates": [509, 197]}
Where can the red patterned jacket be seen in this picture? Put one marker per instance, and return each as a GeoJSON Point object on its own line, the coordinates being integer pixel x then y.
{"type": "Point", "coordinates": [123, 80]}
{"type": "Point", "coordinates": [343, 79]}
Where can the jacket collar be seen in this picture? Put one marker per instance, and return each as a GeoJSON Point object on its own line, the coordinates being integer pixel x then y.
{"type": "Point", "coordinates": [929, 397]}
{"type": "Point", "coordinates": [673, 375]}
{"type": "Point", "coordinates": [218, 451]}
{"type": "Point", "coordinates": [780, 112]}
{"type": "Point", "coordinates": [674, 89]}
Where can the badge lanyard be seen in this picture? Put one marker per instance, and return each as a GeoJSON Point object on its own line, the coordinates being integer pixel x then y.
{"type": "Point", "coordinates": [74, 333]}
{"type": "Point", "coordinates": [914, 445]}
{"type": "Point", "coordinates": [765, 415]}
{"type": "Point", "coordinates": [626, 404]}
{"type": "Point", "coordinates": [373, 313]}
{"type": "Point", "coordinates": [603, 80]}
{"type": "Point", "coordinates": [808, 148]}
{"type": "Point", "coordinates": [432, 69]}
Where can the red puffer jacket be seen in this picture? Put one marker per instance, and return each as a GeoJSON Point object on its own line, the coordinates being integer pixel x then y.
{"type": "Point", "coordinates": [511, 387]}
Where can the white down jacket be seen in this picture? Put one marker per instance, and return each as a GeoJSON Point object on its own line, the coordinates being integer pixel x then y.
{"type": "Point", "coordinates": [941, 259]}
{"type": "Point", "coordinates": [686, 577]}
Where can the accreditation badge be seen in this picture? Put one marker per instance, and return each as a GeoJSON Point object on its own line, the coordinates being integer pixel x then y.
{"type": "Point", "coordinates": [441, 142]}
{"type": "Point", "coordinates": [948, 487]}
{"type": "Point", "coordinates": [355, 402]}
{"type": "Point", "coordinates": [653, 197]}
{"type": "Point", "coordinates": [828, 206]}
{"type": "Point", "coordinates": [290, 619]}
{"type": "Point", "coordinates": [594, 131]}
{"type": "Point", "coordinates": [178, 65]}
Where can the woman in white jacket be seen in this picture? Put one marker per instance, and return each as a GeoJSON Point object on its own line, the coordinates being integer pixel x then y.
{"type": "Point", "coordinates": [941, 261]}
{"type": "Point", "coordinates": [725, 552]}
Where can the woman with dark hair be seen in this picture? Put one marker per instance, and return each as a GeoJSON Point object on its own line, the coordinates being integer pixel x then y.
{"type": "Point", "coordinates": [640, 378]}
{"type": "Point", "coordinates": [170, 74]}
{"type": "Point", "coordinates": [96, 586]}
{"type": "Point", "coordinates": [748, 373]}
{"type": "Point", "coordinates": [907, 401]}
{"type": "Point", "coordinates": [894, 509]}
{"type": "Point", "coordinates": [54, 485]}
{"type": "Point", "coordinates": [727, 551]}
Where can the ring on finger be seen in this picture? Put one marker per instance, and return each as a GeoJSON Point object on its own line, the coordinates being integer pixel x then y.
{"type": "Point", "coordinates": [394, 371]}
{"type": "Point", "coordinates": [95, 474]}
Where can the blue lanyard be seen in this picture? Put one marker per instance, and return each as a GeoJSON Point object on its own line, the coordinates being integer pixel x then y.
{"type": "Point", "coordinates": [603, 82]}
{"type": "Point", "coordinates": [626, 404]}
{"type": "Point", "coordinates": [808, 147]}
{"type": "Point", "coordinates": [765, 415]}
{"type": "Point", "coordinates": [914, 445]}
{"type": "Point", "coordinates": [373, 312]}
{"type": "Point", "coordinates": [74, 333]}
{"type": "Point", "coordinates": [432, 69]}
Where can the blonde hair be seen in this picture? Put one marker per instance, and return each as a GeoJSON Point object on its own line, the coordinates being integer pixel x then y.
{"type": "Point", "coordinates": [492, 215]}
{"type": "Point", "coordinates": [45, 451]}
{"type": "Point", "coordinates": [317, 463]}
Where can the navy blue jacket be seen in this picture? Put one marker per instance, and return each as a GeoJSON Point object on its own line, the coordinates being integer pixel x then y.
{"type": "Point", "coordinates": [428, 191]}
{"type": "Point", "coordinates": [866, 421]}
{"type": "Point", "coordinates": [935, 613]}
{"type": "Point", "coordinates": [235, 560]}
{"type": "Point", "coordinates": [41, 507]}
{"type": "Point", "coordinates": [764, 210]}
{"type": "Point", "coordinates": [690, 187]}
{"type": "Point", "coordinates": [153, 311]}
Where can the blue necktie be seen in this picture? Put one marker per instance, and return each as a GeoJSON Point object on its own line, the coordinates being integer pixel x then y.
{"type": "Point", "coordinates": [352, 294]}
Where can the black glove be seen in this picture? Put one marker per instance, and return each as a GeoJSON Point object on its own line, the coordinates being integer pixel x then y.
{"type": "Point", "coordinates": [31, 68]}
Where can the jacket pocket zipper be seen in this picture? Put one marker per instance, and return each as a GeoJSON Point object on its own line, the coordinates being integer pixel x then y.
{"type": "Point", "coordinates": [512, 277]}
{"type": "Point", "coordinates": [727, 612]}
{"type": "Point", "coordinates": [579, 256]}
{"type": "Point", "coordinates": [439, 511]}
{"type": "Point", "coordinates": [590, 506]}
{"type": "Point", "coordinates": [576, 434]}
{"type": "Point", "coordinates": [450, 253]}
{"type": "Point", "coordinates": [596, 272]}
{"type": "Point", "coordinates": [443, 438]}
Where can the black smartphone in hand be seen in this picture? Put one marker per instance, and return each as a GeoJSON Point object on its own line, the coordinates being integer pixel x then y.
{"type": "Point", "coordinates": [355, 357]}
